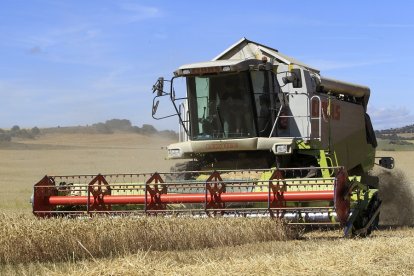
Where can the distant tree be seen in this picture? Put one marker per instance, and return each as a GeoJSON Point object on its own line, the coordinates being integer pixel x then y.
{"type": "Point", "coordinates": [119, 124]}
{"type": "Point", "coordinates": [5, 137]}
{"type": "Point", "coordinates": [169, 134]}
{"type": "Point", "coordinates": [35, 131]}
{"type": "Point", "coordinates": [23, 133]}
{"type": "Point", "coordinates": [136, 129]}
{"type": "Point", "coordinates": [102, 128]}
{"type": "Point", "coordinates": [394, 137]}
{"type": "Point", "coordinates": [148, 129]}
{"type": "Point", "coordinates": [400, 142]}
{"type": "Point", "coordinates": [405, 129]}
{"type": "Point", "coordinates": [15, 129]}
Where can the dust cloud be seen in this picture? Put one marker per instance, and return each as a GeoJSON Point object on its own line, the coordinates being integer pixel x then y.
{"type": "Point", "coordinates": [397, 195]}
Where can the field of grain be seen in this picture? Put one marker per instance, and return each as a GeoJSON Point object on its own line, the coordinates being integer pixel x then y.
{"type": "Point", "coordinates": [25, 162]}
{"type": "Point", "coordinates": [147, 246]}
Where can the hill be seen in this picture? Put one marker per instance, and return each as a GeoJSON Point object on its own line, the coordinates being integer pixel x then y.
{"type": "Point", "coordinates": [392, 139]}
{"type": "Point", "coordinates": [404, 129]}
{"type": "Point", "coordinates": [108, 127]}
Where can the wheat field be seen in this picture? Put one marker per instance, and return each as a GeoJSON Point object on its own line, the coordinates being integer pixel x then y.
{"type": "Point", "coordinates": [165, 246]}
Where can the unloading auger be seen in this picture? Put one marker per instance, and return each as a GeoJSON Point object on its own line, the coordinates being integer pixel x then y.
{"type": "Point", "coordinates": [261, 135]}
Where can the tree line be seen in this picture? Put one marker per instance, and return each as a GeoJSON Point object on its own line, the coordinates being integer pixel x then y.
{"type": "Point", "coordinates": [108, 127]}
{"type": "Point", "coordinates": [16, 131]}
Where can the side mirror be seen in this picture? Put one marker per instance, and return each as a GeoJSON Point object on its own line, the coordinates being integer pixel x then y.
{"type": "Point", "coordinates": [288, 79]}
{"type": "Point", "coordinates": [159, 87]}
{"type": "Point", "coordinates": [294, 78]}
{"type": "Point", "coordinates": [386, 162]}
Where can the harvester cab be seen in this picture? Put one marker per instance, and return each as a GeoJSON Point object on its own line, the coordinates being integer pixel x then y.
{"type": "Point", "coordinates": [261, 134]}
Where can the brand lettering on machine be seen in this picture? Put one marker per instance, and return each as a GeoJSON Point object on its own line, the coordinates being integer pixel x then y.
{"type": "Point", "coordinates": [335, 110]}
{"type": "Point", "coordinates": [221, 146]}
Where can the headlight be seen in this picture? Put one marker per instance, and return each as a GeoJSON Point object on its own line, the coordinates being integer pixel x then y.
{"type": "Point", "coordinates": [174, 153]}
{"type": "Point", "coordinates": [281, 149]}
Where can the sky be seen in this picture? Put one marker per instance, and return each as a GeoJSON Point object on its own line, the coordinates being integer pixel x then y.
{"type": "Point", "coordinates": [78, 62]}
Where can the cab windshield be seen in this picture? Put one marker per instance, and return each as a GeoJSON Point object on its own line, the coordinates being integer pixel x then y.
{"type": "Point", "coordinates": [220, 106]}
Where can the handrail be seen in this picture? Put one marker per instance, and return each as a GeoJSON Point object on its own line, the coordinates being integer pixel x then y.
{"type": "Point", "coordinates": [319, 118]}
{"type": "Point", "coordinates": [182, 134]}
{"type": "Point", "coordinates": [309, 116]}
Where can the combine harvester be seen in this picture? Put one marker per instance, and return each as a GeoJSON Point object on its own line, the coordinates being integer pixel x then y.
{"type": "Point", "coordinates": [263, 135]}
